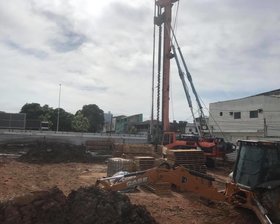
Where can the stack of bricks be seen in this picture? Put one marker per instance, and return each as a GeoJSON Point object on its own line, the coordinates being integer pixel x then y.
{"type": "Point", "coordinates": [144, 162]}
{"type": "Point", "coordinates": [129, 151]}
{"type": "Point", "coordinates": [119, 164]}
{"type": "Point", "coordinates": [191, 159]}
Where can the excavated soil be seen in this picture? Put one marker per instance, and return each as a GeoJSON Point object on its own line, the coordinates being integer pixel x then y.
{"type": "Point", "coordinates": [55, 152]}
{"type": "Point", "coordinates": [21, 178]}
{"type": "Point", "coordinates": [86, 205]}
{"type": "Point", "coordinates": [92, 205]}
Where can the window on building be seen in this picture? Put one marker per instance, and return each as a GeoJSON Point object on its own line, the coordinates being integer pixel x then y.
{"type": "Point", "coordinates": [254, 114]}
{"type": "Point", "coordinates": [221, 113]}
{"type": "Point", "coordinates": [237, 115]}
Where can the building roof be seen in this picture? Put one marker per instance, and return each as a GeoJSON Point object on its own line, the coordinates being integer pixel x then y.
{"type": "Point", "coordinates": [270, 93]}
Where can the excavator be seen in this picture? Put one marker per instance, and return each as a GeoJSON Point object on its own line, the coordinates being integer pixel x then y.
{"type": "Point", "coordinates": [212, 146]}
{"type": "Point", "coordinates": [254, 183]}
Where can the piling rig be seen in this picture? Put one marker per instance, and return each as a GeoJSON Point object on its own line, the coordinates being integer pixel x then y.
{"type": "Point", "coordinates": [167, 44]}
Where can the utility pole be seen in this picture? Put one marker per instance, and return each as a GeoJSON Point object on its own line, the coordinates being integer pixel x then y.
{"type": "Point", "coordinates": [57, 123]}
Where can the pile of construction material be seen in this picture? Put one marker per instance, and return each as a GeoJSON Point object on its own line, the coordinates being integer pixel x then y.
{"type": "Point", "coordinates": [86, 205]}
{"type": "Point", "coordinates": [138, 163]}
{"type": "Point", "coordinates": [191, 159]}
{"type": "Point", "coordinates": [129, 151]}
{"type": "Point", "coordinates": [136, 158]}
{"type": "Point", "coordinates": [144, 162]}
{"type": "Point", "coordinates": [120, 166]}
{"type": "Point", "coordinates": [117, 164]}
{"type": "Point", "coordinates": [56, 152]}
{"type": "Point", "coordinates": [131, 157]}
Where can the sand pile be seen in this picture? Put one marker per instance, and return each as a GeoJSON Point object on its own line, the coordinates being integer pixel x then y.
{"type": "Point", "coordinates": [84, 206]}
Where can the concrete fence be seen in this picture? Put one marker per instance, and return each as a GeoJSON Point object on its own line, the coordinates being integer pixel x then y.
{"type": "Point", "coordinates": [77, 138]}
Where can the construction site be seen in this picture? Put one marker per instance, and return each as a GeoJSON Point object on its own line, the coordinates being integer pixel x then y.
{"type": "Point", "coordinates": [47, 182]}
{"type": "Point", "coordinates": [175, 178]}
{"type": "Point", "coordinates": [51, 182]}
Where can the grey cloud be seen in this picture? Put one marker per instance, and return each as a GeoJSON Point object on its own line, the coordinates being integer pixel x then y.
{"type": "Point", "coordinates": [124, 25]}
{"type": "Point", "coordinates": [86, 87]}
{"type": "Point", "coordinates": [93, 88]}
{"type": "Point", "coordinates": [69, 39]}
{"type": "Point", "coordinates": [124, 11]}
{"type": "Point", "coordinates": [27, 51]}
{"type": "Point", "coordinates": [122, 36]}
{"type": "Point", "coordinates": [231, 47]}
{"type": "Point", "coordinates": [70, 42]}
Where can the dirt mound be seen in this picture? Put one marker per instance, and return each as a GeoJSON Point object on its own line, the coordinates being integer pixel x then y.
{"type": "Point", "coordinates": [91, 205]}
{"type": "Point", "coordinates": [44, 207]}
{"type": "Point", "coordinates": [84, 206]}
{"type": "Point", "coordinates": [56, 152]}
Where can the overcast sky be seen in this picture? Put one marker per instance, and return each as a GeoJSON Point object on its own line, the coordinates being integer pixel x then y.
{"type": "Point", "coordinates": [101, 52]}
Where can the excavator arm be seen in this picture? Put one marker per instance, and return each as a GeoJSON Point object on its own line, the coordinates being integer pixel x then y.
{"type": "Point", "coordinates": [186, 180]}
{"type": "Point", "coordinates": [180, 177]}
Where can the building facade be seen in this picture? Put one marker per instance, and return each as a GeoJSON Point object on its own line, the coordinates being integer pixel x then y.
{"type": "Point", "coordinates": [254, 117]}
{"type": "Point", "coordinates": [108, 122]}
{"type": "Point", "coordinates": [126, 124]}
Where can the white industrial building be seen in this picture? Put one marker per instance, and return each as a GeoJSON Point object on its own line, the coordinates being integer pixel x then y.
{"type": "Point", "coordinates": [254, 117]}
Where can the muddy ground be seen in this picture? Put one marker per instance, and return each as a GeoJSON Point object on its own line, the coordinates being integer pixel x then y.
{"type": "Point", "coordinates": [19, 178]}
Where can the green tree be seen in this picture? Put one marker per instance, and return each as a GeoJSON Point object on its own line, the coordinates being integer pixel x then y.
{"type": "Point", "coordinates": [95, 117]}
{"type": "Point", "coordinates": [33, 111]}
{"type": "Point", "coordinates": [35, 114]}
{"type": "Point", "coordinates": [65, 120]}
{"type": "Point", "coordinates": [80, 123]}
{"type": "Point", "coordinates": [48, 113]}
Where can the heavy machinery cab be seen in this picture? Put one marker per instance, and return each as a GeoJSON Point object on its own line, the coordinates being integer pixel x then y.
{"type": "Point", "coordinates": [174, 140]}
{"type": "Point", "coordinates": [212, 146]}
{"type": "Point", "coordinates": [257, 164]}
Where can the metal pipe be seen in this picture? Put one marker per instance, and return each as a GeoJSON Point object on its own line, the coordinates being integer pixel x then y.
{"type": "Point", "coordinates": [181, 74]}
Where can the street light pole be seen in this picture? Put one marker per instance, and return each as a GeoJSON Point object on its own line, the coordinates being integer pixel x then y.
{"type": "Point", "coordinates": [57, 123]}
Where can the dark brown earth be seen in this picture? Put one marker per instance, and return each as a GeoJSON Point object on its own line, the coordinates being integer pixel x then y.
{"type": "Point", "coordinates": [64, 170]}
{"type": "Point", "coordinates": [85, 205]}
{"type": "Point", "coordinates": [55, 152]}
